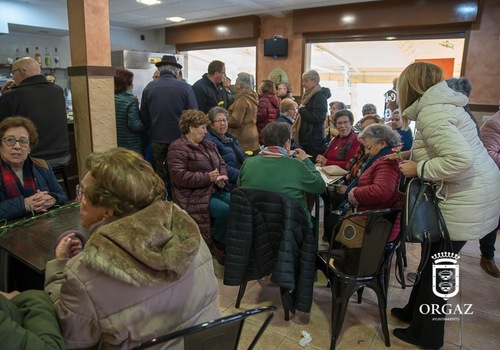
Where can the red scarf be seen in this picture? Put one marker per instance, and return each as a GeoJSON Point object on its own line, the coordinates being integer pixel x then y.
{"type": "Point", "coordinates": [13, 186]}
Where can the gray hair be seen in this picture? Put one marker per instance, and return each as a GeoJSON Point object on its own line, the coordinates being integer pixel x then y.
{"type": "Point", "coordinates": [212, 113]}
{"type": "Point", "coordinates": [245, 80]}
{"type": "Point", "coordinates": [461, 85]}
{"type": "Point", "coordinates": [169, 68]}
{"type": "Point", "coordinates": [276, 134]}
{"type": "Point", "coordinates": [311, 74]}
{"type": "Point", "coordinates": [381, 132]}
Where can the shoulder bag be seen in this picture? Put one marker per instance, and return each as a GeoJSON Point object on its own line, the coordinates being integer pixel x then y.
{"type": "Point", "coordinates": [422, 220]}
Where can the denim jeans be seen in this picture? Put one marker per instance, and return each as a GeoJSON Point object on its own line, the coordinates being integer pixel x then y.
{"type": "Point", "coordinates": [219, 209]}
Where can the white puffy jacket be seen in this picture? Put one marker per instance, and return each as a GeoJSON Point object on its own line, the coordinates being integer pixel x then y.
{"type": "Point", "coordinates": [469, 180]}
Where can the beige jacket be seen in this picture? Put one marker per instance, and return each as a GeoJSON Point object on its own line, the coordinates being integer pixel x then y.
{"type": "Point", "coordinates": [242, 119]}
{"type": "Point", "coordinates": [138, 277]}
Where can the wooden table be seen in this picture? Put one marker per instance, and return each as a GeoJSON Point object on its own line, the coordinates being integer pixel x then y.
{"type": "Point", "coordinates": [34, 244]}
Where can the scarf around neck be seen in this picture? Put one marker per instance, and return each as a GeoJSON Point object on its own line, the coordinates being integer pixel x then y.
{"type": "Point", "coordinates": [274, 151]}
{"type": "Point", "coordinates": [12, 184]}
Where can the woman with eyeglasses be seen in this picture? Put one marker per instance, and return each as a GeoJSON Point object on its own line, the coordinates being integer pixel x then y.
{"type": "Point", "coordinates": [227, 144]}
{"type": "Point", "coordinates": [27, 185]}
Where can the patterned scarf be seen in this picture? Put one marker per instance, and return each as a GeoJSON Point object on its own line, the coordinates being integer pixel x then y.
{"type": "Point", "coordinates": [13, 186]}
{"type": "Point", "coordinates": [274, 151]}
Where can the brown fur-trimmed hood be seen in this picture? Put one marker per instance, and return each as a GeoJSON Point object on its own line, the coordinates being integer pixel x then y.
{"type": "Point", "coordinates": [153, 246]}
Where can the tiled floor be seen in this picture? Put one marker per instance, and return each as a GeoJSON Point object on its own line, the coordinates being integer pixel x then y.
{"type": "Point", "coordinates": [361, 328]}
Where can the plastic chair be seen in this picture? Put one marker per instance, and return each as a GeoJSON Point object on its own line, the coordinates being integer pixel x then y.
{"type": "Point", "coordinates": [350, 270]}
{"type": "Point", "coordinates": [223, 333]}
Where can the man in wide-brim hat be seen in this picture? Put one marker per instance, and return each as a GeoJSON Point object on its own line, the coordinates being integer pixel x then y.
{"type": "Point", "coordinates": [168, 60]}
{"type": "Point", "coordinates": [163, 101]}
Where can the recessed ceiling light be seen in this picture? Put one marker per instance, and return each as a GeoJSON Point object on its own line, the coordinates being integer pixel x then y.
{"type": "Point", "coordinates": [175, 19]}
{"type": "Point", "coordinates": [390, 38]}
{"type": "Point", "coordinates": [149, 2]}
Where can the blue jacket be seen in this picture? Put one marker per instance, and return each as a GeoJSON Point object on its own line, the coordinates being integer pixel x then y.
{"type": "Point", "coordinates": [45, 180]}
{"type": "Point", "coordinates": [406, 138]}
{"type": "Point", "coordinates": [230, 150]}
{"type": "Point", "coordinates": [163, 101]}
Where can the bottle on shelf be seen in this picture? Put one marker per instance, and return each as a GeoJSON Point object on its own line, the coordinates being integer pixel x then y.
{"type": "Point", "coordinates": [38, 57]}
{"type": "Point", "coordinates": [56, 59]}
{"type": "Point", "coordinates": [47, 59]}
{"type": "Point", "coordinates": [27, 52]}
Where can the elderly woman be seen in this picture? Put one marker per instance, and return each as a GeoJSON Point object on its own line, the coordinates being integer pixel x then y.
{"type": "Point", "coordinates": [243, 113]}
{"type": "Point", "coordinates": [199, 179]}
{"type": "Point", "coordinates": [144, 258]}
{"type": "Point", "coordinates": [274, 170]}
{"type": "Point", "coordinates": [130, 130]}
{"type": "Point", "coordinates": [405, 132]}
{"type": "Point", "coordinates": [309, 129]}
{"type": "Point", "coordinates": [27, 185]}
{"type": "Point", "coordinates": [468, 182]}
{"type": "Point", "coordinates": [269, 106]}
{"type": "Point", "coordinates": [330, 129]}
{"type": "Point", "coordinates": [227, 143]}
{"type": "Point", "coordinates": [344, 146]}
{"type": "Point", "coordinates": [376, 184]}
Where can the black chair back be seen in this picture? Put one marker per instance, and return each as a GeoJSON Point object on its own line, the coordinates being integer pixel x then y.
{"type": "Point", "coordinates": [223, 333]}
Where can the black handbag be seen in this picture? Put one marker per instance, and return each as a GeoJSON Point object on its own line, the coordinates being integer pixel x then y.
{"type": "Point", "coordinates": [422, 220]}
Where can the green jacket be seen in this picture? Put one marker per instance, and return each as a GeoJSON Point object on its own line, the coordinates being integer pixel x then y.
{"type": "Point", "coordinates": [289, 176]}
{"type": "Point", "coordinates": [28, 321]}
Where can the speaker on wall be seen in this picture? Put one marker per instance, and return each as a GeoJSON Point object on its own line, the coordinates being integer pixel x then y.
{"type": "Point", "coordinates": [276, 47]}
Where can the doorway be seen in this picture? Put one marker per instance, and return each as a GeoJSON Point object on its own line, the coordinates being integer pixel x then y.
{"type": "Point", "coordinates": [360, 72]}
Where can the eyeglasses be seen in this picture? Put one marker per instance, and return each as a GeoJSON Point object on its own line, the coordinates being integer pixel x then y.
{"type": "Point", "coordinates": [79, 192]}
{"type": "Point", "coordinates": [370, 147]}
{"type": "Point", "coordinates": [11, 141]}
{"type": "Point", "coordinates": [220, 121]}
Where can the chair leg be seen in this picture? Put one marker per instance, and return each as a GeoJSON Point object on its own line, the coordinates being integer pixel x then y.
{"type": "Point", "coordinates": [341, 292]}
{"type": "Point", "coordinates": [287, 302]}
{"type": "Point", "coordinates": [400, 264]}
{"type": "Point", "coordinates": [378, 287]}
{"type": "Point", "coordinates": [241, 292]}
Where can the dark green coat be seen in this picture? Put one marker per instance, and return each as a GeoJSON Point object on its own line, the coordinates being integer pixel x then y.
{"type": "Point", "coordinates": [129, 127]}
{"type": "Point", "coordinates": [28, 322]}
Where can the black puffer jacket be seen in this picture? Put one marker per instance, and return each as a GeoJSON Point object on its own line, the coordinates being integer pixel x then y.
{"type": "Point", "coordinates": [268, 232]}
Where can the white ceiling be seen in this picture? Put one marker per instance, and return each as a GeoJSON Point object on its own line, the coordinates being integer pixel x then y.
{"type": "Point", "coordinates": [385, 56]}
{"type": "Point", "coordinates": [134, 15]}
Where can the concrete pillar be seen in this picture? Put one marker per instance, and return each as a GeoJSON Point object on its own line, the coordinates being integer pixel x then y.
{"type": "Point", "coordinates": [91, 78]}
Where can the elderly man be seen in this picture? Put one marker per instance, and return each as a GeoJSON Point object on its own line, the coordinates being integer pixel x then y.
{"type": "Point", "coordinates": [30, 95]}
{"type": "Point", "coordinates": [163, 101]}
{"type": "Point", "coordinates": [209, 90]}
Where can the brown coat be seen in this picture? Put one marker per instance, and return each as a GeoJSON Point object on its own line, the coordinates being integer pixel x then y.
{"type": "Point", "coordinates": [189, 166]}
{"type": "Point", "coordinates": [243, 118]}
{"type": "Point", "coordinates": [138, 277]}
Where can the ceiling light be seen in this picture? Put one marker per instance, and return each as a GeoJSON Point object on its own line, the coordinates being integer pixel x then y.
{"type": "Point", "coordinates": [149, 2]}
{"type": "Point", "coordinates": [348, 19]}
{"type": "Point", "coordinates": [175, 19]}
{"type": "Point", "coordinates": [390, 38]}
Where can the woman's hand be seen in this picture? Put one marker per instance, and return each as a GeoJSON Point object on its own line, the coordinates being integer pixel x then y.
{"type": "Point", "coordinates": [68, 247]}
{"type": "Point", "coordinates": [351, 197]}
{"type": "Point", "coordinates": [402, 155]}
{"type": "Point", "coordinates": [320, 160]}
{"type": "Point", "coordinates": [213, 175]}
{"type": "Point", "coordinates": [408, 168]}
{"type": "Point", "coordinates": [41, 201]}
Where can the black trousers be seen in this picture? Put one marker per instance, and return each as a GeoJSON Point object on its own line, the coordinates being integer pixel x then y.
{"type": "Point", "coordinates": [487, 244]}
{"type": "Point", "coordinates": [424, 329]}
